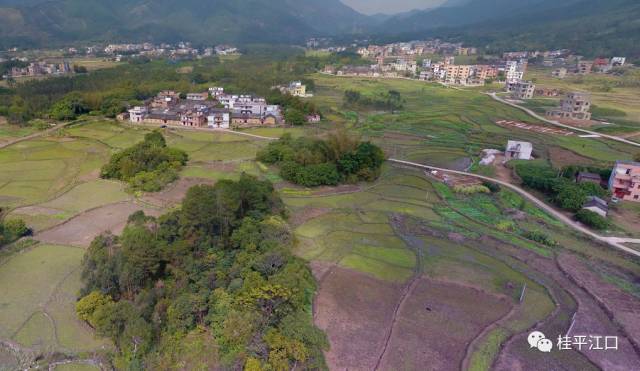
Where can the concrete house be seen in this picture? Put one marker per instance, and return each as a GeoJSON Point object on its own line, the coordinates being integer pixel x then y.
{"type": "Point", "coordinates": [624, 183]}
{"type": "Point", "coordinates": [523, 90]}
{"type": "Point", "coordinates": [219, 119]}
{"type": "Point", "coordinates": [575, 106]}
{"type": "Point", "coordinates": [518, 151]}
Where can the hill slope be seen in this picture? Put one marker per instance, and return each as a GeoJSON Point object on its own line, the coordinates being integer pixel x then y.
{"type": "Point", "coordinates": [38, 22]}
{"type": "Point", "coordinates": [590, 27]}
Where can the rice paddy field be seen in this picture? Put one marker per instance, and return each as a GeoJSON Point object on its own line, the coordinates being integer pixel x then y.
{"type": "Point", "coordinates": [408, 270]}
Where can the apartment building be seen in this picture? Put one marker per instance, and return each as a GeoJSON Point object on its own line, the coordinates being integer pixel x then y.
{"type": "Point", "coordinates": [624, 183]}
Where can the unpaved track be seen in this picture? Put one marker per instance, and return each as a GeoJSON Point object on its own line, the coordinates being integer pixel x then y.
{"type": "Point", "coordinates": [611, 241]}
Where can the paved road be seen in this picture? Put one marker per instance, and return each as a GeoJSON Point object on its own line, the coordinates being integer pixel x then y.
{"type": "Point", "coordinates": [556, 123]}
{"type": "Point", "coordinates": [611, 241]}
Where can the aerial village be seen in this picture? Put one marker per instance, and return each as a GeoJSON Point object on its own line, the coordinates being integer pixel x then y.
{"type": "Point", "coordinates": [213, 109]}
{"type": "Point", "coordinates": [417, 60]}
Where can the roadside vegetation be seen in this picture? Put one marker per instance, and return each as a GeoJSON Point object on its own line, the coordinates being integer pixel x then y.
{"type": "Point", "coordinates": [147, 166]}
{"type": "Point", "coordinates": [218, 272]}
{"type": "Point", "coordinates": [315, 162]}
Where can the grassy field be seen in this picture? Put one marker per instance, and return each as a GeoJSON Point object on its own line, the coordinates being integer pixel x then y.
{"type": "Point", "coordinates": [607, 91]}
{"type": "Point", "coordinates": [38, 313]}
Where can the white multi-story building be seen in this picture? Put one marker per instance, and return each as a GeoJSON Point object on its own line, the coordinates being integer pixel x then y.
{"type": "Point", "coordinates": [138, 114]}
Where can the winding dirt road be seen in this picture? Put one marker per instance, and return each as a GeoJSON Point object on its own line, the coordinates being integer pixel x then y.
{"type": "Point", "coordinates": [615, 242]}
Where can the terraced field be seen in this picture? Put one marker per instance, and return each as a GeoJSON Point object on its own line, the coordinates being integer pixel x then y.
{"type": "Point", "coordinates": [409, 271]}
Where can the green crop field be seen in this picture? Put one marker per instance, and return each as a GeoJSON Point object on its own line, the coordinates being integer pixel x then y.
{"type": "Point", "coordinates": [39, 312]}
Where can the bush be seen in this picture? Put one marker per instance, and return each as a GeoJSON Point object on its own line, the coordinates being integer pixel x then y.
{"type": "Point", "coordinates": [540, 237]}
{"type": "Point", "coordinates": [12, 230]}
{"type": "Point", "coordinates": [592, 219]}
{"type": "Point", "coordinates": [471, 190]}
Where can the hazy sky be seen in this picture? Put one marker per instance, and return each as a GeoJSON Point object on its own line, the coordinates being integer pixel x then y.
{"type": "Point", "coordinates": [390, 6]}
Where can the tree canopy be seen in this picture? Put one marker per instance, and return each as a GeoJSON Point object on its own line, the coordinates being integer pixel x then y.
{"type": "Point", "coordinates": [147, 166]}
{"type": "Point", "coordinates": [314, 162]}
{"type": "Point", "coordinates": [217, 275]}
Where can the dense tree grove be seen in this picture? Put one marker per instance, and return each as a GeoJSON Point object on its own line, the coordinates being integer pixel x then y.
{"type": "Point", "coordinates": [391, 101]}
{"type": "Point", "coordinates": [212, 285]}
{"type": "Point", "coordinates": [147, 166]}
{"type": "Point", "coordinates": [314, 162]}
{"type": "Point", "coordinates": [560, 185]}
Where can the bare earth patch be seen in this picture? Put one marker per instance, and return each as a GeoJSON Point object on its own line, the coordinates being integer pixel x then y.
{"type": "Point", "coordinates": [355, 310]}
{"type": "Point", "coordinates": [37, 210]}
{"type": "Point", "coordinates": [174, 193]}
{"type": "Point", "coordinates": [624, 307]}
{"type": "Point", "coordinates": [588, 318]}
{"type": "Point", "coordinates": [82, 229]}
{"type": "Point", "coordinates": [561, 157]}
{"type": "Point", "coordinates": [305, 214]}
{"type": "Point", "coordinates": [437, 322]}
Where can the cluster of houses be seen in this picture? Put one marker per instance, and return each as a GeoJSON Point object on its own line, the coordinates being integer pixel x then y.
{"type": "Point", "coordinates": [181, 49]}
{"type": "Point", "coordinates": [415, 48]}
{"type": "Point", "coordinates": [40, 69]}
{"type": "Point", "coordinates": [214, 109]}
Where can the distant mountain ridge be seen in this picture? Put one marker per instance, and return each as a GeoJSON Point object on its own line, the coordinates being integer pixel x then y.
{"type": "Point", "coordinates": [40, 22]}
{"type": "Point", "coordinates": [590, 27]}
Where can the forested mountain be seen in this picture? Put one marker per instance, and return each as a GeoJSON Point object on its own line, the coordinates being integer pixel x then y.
{"type": "Point", "coordinates": [38, 22]}
{"type": "Point", "coordinates": [590, 27]}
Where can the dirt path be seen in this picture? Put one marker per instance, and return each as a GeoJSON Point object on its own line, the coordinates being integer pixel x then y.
{"type": "Point", "coordinates": [556, 123]}
{"type": "Point", "coordinates": [611, 241]}
{"type": "Point", "coordinates": [36, 135]}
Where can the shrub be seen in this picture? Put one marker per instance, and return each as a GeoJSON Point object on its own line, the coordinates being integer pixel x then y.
{"type": "Point", "coordinates": [540, 237]}
{"type": "Point", "coordinates": [592, 219]}
{"type": "Point", "coordinates": [471, 190]}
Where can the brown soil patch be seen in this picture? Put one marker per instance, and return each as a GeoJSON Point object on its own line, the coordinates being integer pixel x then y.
{"type": "Point", "coordinates": [587, 318]}
{"type": "Point", "coordinates": [94, 175]}
{"type": "Point", "coordinates": [174, 193]}
{"type": "Point", "coordinates": [82, 229]}
{"type": "Point", "coordinates": [355, 310]}
{"type": "Point", "coordinates": [36, 210]}
{"type": "Point", "coordinates": [502, 172]}
{"type": "Point", "coordinates": [437, 322]}
{"type": "Point", "coordinates": [3, 120]}
{"type": "Point", "coordinates": [624, 307]}
{"type": "Point", "coordinates": [305, 214]}
{"type": "Point", "coordinates": [561, 157]}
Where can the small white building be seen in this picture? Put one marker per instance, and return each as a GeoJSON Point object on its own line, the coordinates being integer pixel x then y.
{"type": "Point", "coordinates": [518, 151]}
{"type": "Point", "coordinates": [138, 114]}
{"type": "Point", "coordinates": [219, 119]}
